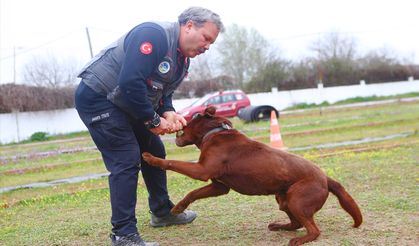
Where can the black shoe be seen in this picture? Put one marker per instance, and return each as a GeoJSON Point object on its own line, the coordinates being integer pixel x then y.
{"type": "Point", "coordinates": [170, 219]}
{"type": "Point", "coordinates": [133, 239]}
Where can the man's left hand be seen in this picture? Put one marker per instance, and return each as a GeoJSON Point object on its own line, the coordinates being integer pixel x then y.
{"type": "Point", "coordinates": [176, 121]}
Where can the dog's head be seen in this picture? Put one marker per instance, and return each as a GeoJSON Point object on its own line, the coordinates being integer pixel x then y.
{"type": "Point", "coordinates": [199, 126]}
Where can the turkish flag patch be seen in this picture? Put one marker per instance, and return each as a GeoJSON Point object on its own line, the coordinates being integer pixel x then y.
{"type": "Point", "coordinates": [146, 48]}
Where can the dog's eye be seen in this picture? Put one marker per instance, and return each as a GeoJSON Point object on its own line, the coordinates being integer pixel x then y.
{"type": "Point", "coordinates": [196, 116]}
{"type": "Point", "coordinates": [179, 133]}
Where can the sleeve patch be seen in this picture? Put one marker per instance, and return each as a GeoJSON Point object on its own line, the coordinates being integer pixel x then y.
{"type": "Point", "coordinates": [146, 48]}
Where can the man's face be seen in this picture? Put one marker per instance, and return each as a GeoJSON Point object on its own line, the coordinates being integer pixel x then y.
{"type": "Point", "coordinates": [196, 40]}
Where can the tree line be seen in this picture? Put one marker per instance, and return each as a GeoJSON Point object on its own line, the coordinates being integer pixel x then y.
{"type": "Point", "coordinates": [241, 59]}
{"type": "Point", "coordinates": [245, 59]}
{"type": "Point", "coordinates": [23, 98]}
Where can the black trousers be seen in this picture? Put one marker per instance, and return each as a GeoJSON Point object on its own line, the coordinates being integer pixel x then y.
{"type": "Point", "coordinates": [121, 141]}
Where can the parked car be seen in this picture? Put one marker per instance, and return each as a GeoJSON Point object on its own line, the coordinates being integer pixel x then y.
{"type": "Point", "coordinates": [228, 103]}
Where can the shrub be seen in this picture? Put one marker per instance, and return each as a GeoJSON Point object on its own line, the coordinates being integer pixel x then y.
{"type": "Point", "coordinates": [39, 136]}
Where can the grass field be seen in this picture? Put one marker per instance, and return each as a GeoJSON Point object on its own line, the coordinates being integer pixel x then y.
{"type": "Point", "coordinates": [381, 173]}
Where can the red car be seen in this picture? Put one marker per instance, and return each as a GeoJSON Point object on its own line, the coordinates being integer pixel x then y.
{"type": "Point", "coordinates": [228, 104]}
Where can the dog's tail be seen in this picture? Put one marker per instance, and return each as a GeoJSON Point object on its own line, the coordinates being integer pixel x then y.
{"type": "Point", "coordinates": [345, 200]}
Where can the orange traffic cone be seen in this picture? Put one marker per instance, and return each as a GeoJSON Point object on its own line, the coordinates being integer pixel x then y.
{"type": "Point", "coordinates": [276, 139]}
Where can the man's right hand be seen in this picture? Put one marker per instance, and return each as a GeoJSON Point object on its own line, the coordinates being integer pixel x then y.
{"type": "Point", "coordinates": [163, 128]}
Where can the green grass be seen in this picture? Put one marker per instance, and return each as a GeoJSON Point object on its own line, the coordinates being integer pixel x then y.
{"type": "Point", "coordinates": [45, 175]}
{"type": "Point", "coordinates": [376, 98]}
{"type": "Point", "coordinates": [52, 137]}
{"type": "Point", "coordinates": [75, 218]}
{"type": "Point", "coordinates": [56, 159]}
{"type": "Point", "coordinates": [383, 180]}
{"type": "Point", "coordinates": [352, 100]}
{"type": "Point", "coordinates": [57, 144]}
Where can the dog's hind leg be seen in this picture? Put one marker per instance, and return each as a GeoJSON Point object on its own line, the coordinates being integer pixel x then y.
{"type": "Point", "coordinates": [293, 225]}
{"type": "Point", "coordinates": [304, 200]}
{"type": "Point", "coordinates": [211, 190]}
{"type": "Point", "coordinates": [312, 232]}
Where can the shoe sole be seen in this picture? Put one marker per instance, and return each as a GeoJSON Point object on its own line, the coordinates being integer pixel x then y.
{"type": "Point", "coordinates": [171, 223]}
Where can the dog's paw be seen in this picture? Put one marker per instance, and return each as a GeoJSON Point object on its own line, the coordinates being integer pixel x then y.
{"type": "Point", "coordinates": [296, 241]}
{"type": "Point", "coordinates": [274, 227]}
{"type": "Point", "coordinates": [150, 159]}
{"type": "Point", "coordinates": [178, 209]}
{"type": "Point", "coordinates": [154, 161]}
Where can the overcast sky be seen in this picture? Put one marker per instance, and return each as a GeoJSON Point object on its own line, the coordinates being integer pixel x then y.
{"type": "Point", "coordinates": [35, 27]}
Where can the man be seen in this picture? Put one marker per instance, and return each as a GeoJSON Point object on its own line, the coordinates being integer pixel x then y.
{"type": "Point", "coordinates": [125, 100]}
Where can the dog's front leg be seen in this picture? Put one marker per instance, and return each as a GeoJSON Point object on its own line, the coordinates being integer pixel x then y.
{"type": "Point", "coordinates": [211, 190]}
{"type": "Point", "coordinates": [190, 169]}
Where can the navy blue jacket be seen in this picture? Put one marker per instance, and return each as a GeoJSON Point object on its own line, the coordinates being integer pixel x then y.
{"type": "Point", "coordinates": [140, 71]}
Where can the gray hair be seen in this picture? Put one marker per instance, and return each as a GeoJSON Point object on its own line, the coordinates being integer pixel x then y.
{"type": "Point", "coordinates": [199, 16]}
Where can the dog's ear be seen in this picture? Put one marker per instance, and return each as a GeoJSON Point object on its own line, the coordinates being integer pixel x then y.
{"type": "Point", "coordinates": [210, 111]}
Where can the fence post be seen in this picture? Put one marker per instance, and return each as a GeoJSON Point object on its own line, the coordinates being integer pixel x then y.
{"type": "Point", "coordinates": [16, 114]}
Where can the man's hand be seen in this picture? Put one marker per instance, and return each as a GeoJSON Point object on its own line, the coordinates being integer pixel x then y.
{"type": "Point", "coordinates": [163, 128]}
{"type": "Point", "coordinates": [175, 120]}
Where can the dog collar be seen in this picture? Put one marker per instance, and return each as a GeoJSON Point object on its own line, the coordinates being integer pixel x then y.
{"type": "Point", "coordinates": [218, 129]}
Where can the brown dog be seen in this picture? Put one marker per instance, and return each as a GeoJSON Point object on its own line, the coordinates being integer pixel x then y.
{"type": "Point", "coordinates": [233, 161]}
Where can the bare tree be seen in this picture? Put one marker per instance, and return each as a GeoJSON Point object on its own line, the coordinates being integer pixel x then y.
{"type": "Point", "coordinates": [50, 72]}
{"type": "Point", "coordinates": [335, 45]}
{"type": "Point", "coordinates": [202, 67]}
{"type": "Point", "coordinates": [242, 53]}
{"type": "Point", "coordinates": [336, 59]}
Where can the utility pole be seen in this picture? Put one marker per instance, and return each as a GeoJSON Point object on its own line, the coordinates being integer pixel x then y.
{"type": "Point", "coordinates": [14, 64]}
{"type": "Point", "coordinates": [90, 43]}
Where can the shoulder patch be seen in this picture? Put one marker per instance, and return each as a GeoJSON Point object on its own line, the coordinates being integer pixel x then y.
{"type": "Point", "coordinates": [146, 48]}
{"type": "Point", "coordinates": [164, 67]}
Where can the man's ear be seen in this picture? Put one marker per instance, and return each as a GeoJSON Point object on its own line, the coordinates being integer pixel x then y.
{"type": "Point", "coordinates": [189, 24]}
{"type": "Point", "coordinates": [210, 110]}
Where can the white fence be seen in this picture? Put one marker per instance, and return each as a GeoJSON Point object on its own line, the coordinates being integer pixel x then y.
{"type": "Point", "coordinates": [18, 126]}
